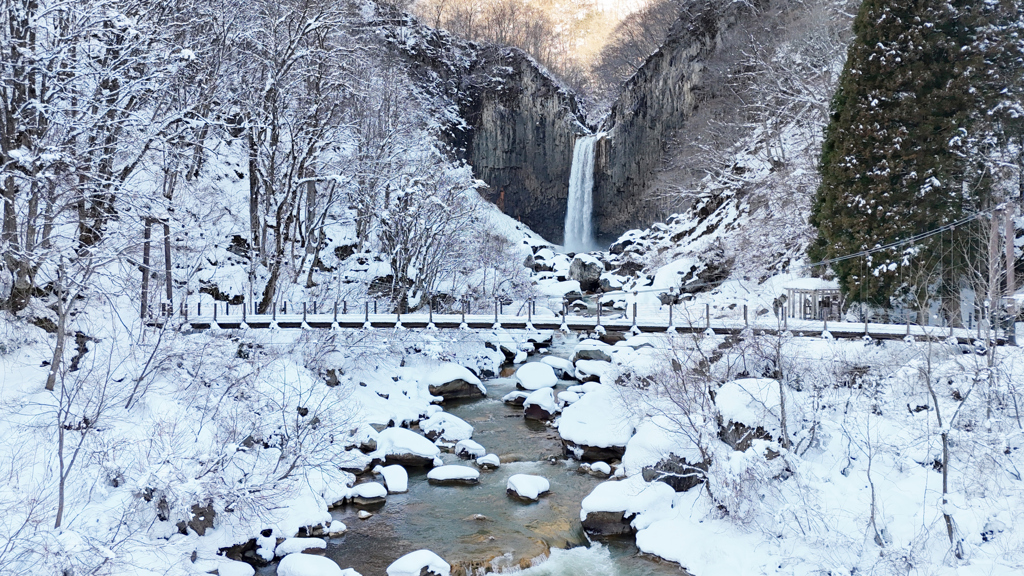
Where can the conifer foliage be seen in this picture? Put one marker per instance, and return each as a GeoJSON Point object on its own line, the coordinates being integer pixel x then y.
{"type": "Point", "coordinates": [923, 103]}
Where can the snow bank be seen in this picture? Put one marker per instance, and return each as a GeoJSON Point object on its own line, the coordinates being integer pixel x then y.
{"type": "Point", "coordinates": [528, 486]}
{"type": "Point", "coordinates": [369, 490]}
{"type": "Point", "coordinates": [233, 568]}
{"type": "Point", "coordinates": [588, 369]}
{"type": "Point", "coordinates": [654, 441]}
{"type": "Point", "coordinates": [414, 563]}
{"type": "Point", "coordinates": [536, 375]}
{"type": "Point", "coordinates": [755, 402]}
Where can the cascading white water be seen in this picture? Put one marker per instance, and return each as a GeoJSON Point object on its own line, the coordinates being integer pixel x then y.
{"type": "Point", "coordinates": [579, 231]}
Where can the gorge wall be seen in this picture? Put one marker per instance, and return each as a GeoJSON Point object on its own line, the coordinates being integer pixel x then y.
{"type": "Point", "coordinates": [508, 119]}
{"type": "Point", "coordinates": [516, 126]}
{"type": "Point", "coordinates": [653, 105]}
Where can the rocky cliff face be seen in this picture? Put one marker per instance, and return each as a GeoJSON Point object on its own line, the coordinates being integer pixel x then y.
{"type": "Point", "coordinates": [654, 104]}
{"type": "Point", "coordinates": [508, 119]}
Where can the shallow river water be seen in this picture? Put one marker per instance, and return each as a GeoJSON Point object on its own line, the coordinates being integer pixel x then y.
{"type": "Point", "coordinates": [473, 525]}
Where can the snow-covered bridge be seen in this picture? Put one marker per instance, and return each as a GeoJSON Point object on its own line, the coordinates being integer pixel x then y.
{"type": "Point", "coordinates": [677, 319]}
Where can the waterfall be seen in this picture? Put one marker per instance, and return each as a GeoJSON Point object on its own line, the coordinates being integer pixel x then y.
{"type": "Point", "coordinates": [579, 230]}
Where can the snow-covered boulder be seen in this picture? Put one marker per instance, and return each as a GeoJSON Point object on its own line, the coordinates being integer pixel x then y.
{"type": "Point", "coordinates": [563, 368]}
{"type": "Point", "coordinates": [658, 452]}
{"type": "Point", "coordinates": [419, 563]}
{"type": "Point", "coordinates": [610, 508]}
{"type": "Point", "coordinates": [488, 462]}
{"type": "Point", "coordinates": [591, 350]}
{"type": "Point", "coordinates": [395, 478]}
{"type": "Point", "coordinates": [536, 375]}
{"type": "Point", "coordinates": [454, 381]}
{"type": "Point", "coordinates": [527, 486]}
{"type": "Point", "coordinates": [568, 397]}
{"type": "Point", "coordinates": [301, 545]}
{"type": "Point", "coordinates": [586, 270]}
{"type": "Point", "coordinates": [541, 404]}
{"type": "Point", "coordinates": [369, 494]}
{"type": "Point", "coordinates": [453, 474]}
{"type": "Point", "coordinates": [597, 426]}
{"type": "Point", "coordinates": [309, 565]}
{"type": "Point", "coordinates": [405, 447]}
{"type": "Point", "coordinates": [515, 397]}
{"type": "Point", "coordinates": [751, 410]}
{"type": "Point", "coordinates": [469, 449]}
{"type": "Point", "coordinates": [227, 567]}
{"type": "Point", "coordinates": [446, 427]}
{"type": "Point", "coordinates": [591, 370]}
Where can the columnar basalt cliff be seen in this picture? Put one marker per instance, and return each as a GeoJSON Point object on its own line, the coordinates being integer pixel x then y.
{"type": "Point", "coordinates": [654, 104]}
{"type": "Point", "coordinates": [509, 120]}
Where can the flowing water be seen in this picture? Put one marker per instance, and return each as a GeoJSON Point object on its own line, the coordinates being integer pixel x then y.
{"type": "Point", "coordinates": [478, 525]}
{"type": "Point", "coordinates": [579, 231]}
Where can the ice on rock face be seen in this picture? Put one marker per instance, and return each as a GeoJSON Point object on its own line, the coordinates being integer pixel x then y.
{"type": "Point", "coordinates": [536, 375]}
{"type": "Point", "coordinates": [309, 565]}
{"type": "Point", "coordinates": [419, 562]}
{"type": "Point", "coordinates": [527, 486]}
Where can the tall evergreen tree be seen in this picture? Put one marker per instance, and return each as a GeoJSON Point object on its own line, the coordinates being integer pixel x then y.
{"type": "Point", "coordinates": [903, 152]}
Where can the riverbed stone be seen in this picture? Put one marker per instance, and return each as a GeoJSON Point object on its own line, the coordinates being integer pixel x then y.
{"type": "Point", "coordinates": [453, 475]}
{"type": "Point", "coordinates": [608, 523]}
{"type": "Point", "coordinates": [587, 453]}
{"type": "Point", "coordinates": [515, 398]}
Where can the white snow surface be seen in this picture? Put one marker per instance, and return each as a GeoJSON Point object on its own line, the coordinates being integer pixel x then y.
{"type": "Point", "coordinates": [557, 363]}
{"type": "Point", "coordinates": [543, 398]}
{"type": "Point", "coordinates": [600, 418]}
{"type": "Point", "coordinates": [489, 460]}
{"type": "Point", "coordinates": [233, 568]}
{"type": "Point", "coordinates": [536, 375]}
{"type": "Point", "coordinates": [391, 441]}
{"type": "Point", "coordinates": [756, 402]}
{"type": "Point", "coordinates": [528, 486]}
{"type": "Point", "coordinates": [413, 563]}
{"type": "Point", "coordinates": [449, 371]}
{"type": "Point", "coordinates": [447, 426]}
{"type": "Point", "coordinates": [395, 478]}
{"type": "Point", "coordinates": [470, 447]}
{"type": "Point", "coordinates": [296, 545]}
{"type": "Point", "coordinates": [629, 496]}
{"type": "Point", "coordinates": [453, 472]}
{"type": "Point", "coordinates": [370, 490]}
{"type": "Point", "coordinates": [309, 565]}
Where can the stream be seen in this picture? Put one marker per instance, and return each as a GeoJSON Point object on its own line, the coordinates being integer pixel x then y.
{"type": "Point", "coordinates": [474, 526]}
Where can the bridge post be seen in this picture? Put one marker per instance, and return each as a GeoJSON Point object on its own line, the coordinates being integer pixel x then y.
{"type": "Point", "coordinates": [367, 319]}
{"type": "Point", "coordinates": [273, 312]}
{"type": "Point", "coordinates": [529, 310]}
{"type": "Point", "coordinates": [285, 310]}
{"type": "Point", "coordinates": [184, 310]}
{"type": "Point", "coordinates": [598, 311]}
{"type": "Point", "coordinates": [634, 313]}
{"type": "Point", "coordinates": [671, 323]}
{"type": "Point", "coordinates": [745, 321]}
{"type": "Point", "coordinates": [244, 314]}
{"type": "Point", "coordinates": [496, 304]}
{"type": "Point", "coordinates": [214, 312]}
{"type": "Point", "coordinates": [303, 312]}
{"type": "Point", "coordinates": [374, 306]}
{"type": "Point", "coordinates": [344, 306]}
{"type": "Point", "coordinates": [199, 308]}
{"type": "Point", "coordinates": [707, 316]}
{"type": "Point", "coordinates": [430, 310]}
{"type": "Point", "coordinates": [335, 311]}
{"type": "Point", "coordinates": [464, 300]}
